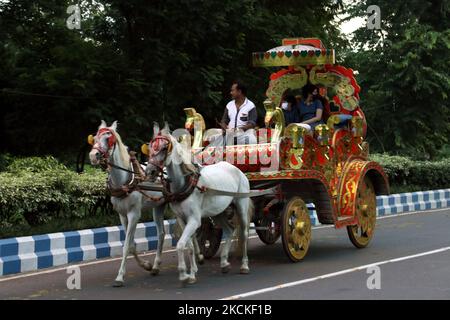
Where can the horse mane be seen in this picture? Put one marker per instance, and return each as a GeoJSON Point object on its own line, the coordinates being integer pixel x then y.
{"type": "Point", "coordinates": [124, 155]}
{"type": "Point", "coordinates": [186, 164]}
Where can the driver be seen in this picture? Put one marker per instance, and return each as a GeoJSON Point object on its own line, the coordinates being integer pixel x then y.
{"type": "Point", "coordinates": [239, 118]}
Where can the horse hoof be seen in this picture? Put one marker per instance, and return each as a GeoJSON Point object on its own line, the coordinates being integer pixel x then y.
{"type": "Point", "coordinates": [192, 280]}
{"type": "Point", "coordinates": [226, 269]}
{"type": "Point", "coordinates": [245, 271]}
{"type": "Point", "coordinates": [147, 266]}
{"type": "Point", "coordinates": [154, 272]}
{"type": "Point", "coordinates": [117, 284]}
{"type": "Point", "coordinates": [184, 282]}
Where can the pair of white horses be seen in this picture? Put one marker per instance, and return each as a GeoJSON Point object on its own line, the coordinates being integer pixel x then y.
{"type": "Point", "coordinates": [167, 153]}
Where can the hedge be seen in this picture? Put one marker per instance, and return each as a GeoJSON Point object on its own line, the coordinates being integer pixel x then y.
{"type": "Point", "coordinates": [412, 175]}
{"type": "Point", "coordinates": [40, 190]}
{"type": "Point", "coordinates": [35, 190]}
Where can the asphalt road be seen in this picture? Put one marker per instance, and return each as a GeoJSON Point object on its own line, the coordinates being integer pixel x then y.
{"type": "Point", "coordinates": [419, 243]}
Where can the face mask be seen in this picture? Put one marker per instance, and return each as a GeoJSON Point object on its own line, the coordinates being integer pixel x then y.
{"type": "Point", "coordinates": [284, 105]}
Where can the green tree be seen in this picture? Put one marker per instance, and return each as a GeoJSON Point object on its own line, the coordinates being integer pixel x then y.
{"type": "Point", "coordinates": [137, 62]}
{"type": "Point", "coordinates": [404, 74]}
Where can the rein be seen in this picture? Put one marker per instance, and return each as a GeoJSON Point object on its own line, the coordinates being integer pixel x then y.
{"type": "Point", "coordinates": [121, 168]}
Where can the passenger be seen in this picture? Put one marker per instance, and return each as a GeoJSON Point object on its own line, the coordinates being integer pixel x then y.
{"type": "Point", "coordinates": [299, 99]}
{"type": "Point", "coordinates": [318, 96]}
{"type": "Point", "coordinates": [310, 110]}
{"type": "Point", "coordinates": [326, 106]}
{"type": "Point", "coordinates": [290, 110]}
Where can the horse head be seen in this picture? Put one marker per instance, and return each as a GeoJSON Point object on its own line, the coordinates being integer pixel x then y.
{"type": "Point", "coordinates": [159, 151]}
{"type": "Point", "coordinates": [102, 143]}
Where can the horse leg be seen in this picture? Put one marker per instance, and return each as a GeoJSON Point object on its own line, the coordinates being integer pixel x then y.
{"type": "Point", "coordinates": [243, 207]}
{"type": "Point", "coordinates": [158, 218]}
{"type": "Point", "coordinates": [119, 279]}
{"type": "Point", "coordinates": [188, 232]}
{"type": "Point", "coordinates": [197, 251]}
{"type": "Point", "coordinates": [193, 263]}
{"type": "Point", "coordinates": [128, 246]}
{"type": "Point", "coordinates": [133, 219]}
{"type": "Point", "coordinates": [228, 235]}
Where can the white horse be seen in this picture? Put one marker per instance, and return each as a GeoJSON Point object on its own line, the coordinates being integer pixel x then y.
{"type": "Point", "coordinates": [166, 152]}
{"type": "Point", "coordinates": [109, 150]}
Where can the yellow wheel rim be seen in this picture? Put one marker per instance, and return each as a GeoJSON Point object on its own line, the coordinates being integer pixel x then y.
{"type": "Point", "coordinates": [366, 211]}
{"type": "Point", "coordinates": [297, 229]}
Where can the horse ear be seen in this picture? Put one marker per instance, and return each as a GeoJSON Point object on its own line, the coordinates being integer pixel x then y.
{"type": "Point", "coordinates": [114, 126]}
{"type": "Point", "coordinates": [166, 128]}
{"type": "Point", "coordinates": [102, 125]}
{"type": "Point", "coordinates": [155, 129]}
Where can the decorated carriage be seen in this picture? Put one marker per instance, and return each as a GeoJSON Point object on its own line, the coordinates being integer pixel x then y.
{"type": "Point", "coordinates": [328, 167]}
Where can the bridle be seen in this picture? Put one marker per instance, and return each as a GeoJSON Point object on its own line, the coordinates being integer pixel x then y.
{"type": "Point", "coordinates": [191, 179]}
{"type": "Point", "coordinates": [111, 145]}
{"type": "Point", "coordinates": [112, 140]}
{"type": "Point", "coordinates": [155, 150]}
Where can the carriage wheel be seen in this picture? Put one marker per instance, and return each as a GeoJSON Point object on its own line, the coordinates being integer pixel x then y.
{"type": "Point", "coordinates": [272, 234]}
{"type": "Point", "coordinates": [366, 211]}
{"type": "Point", "coordinates": [270, 221]}
{"type": "Point", "coordinates": [296, 229]}
{"type": "Point", "coordinates": [209, 238]}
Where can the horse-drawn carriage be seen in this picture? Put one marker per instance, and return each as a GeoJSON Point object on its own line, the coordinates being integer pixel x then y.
{"type": "Point", "coordinates": [328, 167]}
{"type": "Point", "coordinates": [287, 168]}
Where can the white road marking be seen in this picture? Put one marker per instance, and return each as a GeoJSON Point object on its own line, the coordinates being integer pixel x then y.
{"type": "Point", "coordinates": [331, 275]}
{"type": "Point", "coordinates": [83, 264]}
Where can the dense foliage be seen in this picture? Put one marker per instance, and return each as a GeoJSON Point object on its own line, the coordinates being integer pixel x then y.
{"type": "Point", "coordinates": [135, 62]}
{"type": "Point", "coordinates": [404, 75]}
{"type": "Point", "coordinates": [35, 190]}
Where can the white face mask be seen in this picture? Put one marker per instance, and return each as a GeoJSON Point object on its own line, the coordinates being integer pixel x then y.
{"type": "Point", "coordinates": [284, 105]}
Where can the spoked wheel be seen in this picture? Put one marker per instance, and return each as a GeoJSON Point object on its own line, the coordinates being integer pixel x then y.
{"type": "Point", "coordinates": [209, 237]}
{"type": "Point", "coordinates": [296, 229]}
{"type": "Point", "coordinates": [271, 234]}
{"type": "Point", "coordinates": [366, 211]}
{"type": "Point", "coordinates": [267, 224]}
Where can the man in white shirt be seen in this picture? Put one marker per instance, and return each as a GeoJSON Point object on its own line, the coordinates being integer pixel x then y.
{"type": "Point", "coordinates": [240, 116]}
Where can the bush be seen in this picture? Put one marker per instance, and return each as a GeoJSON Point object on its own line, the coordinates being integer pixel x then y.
{"type": "Point", "coordinates": [40, 195]}
{"type": "Point", "coordinates": [411, 175]}
{"type": "Point", "coordinates": [5, 160]}
{"type": "Point", "coordinates": [35, 190]}
{"type": "Point", "coordinates": [35, 164]}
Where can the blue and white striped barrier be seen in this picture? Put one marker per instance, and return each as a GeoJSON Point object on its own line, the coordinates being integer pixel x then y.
{"type": "Point", "coordinates": [414, 201]}
{"type": "Point", "coordinates": [43, 251]}
{"type": "Point", "coordinates": [55, 249]}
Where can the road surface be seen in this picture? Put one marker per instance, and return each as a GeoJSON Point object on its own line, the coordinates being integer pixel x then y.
{"type": "Point", "coordinates": [412, 252]}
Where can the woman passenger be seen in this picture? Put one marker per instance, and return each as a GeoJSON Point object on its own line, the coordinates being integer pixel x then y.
{"type": "Point", "coordinates": [311, 110]}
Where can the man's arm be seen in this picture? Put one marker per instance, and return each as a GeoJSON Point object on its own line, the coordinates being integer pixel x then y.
{"type": "Point", "coordinates": [252, 118]}
{"type": "Point", "coordinates": [225, 120]}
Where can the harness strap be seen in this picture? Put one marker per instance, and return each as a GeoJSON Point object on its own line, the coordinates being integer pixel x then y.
{"type": "Point", "coordinates": [137, 176]}
{"type": "Point", "coordinates": [252, 193]}
{"type": "Point", "coordinates": [191, 181]}
{"type": "Point", "coordinates": [151, 198]}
